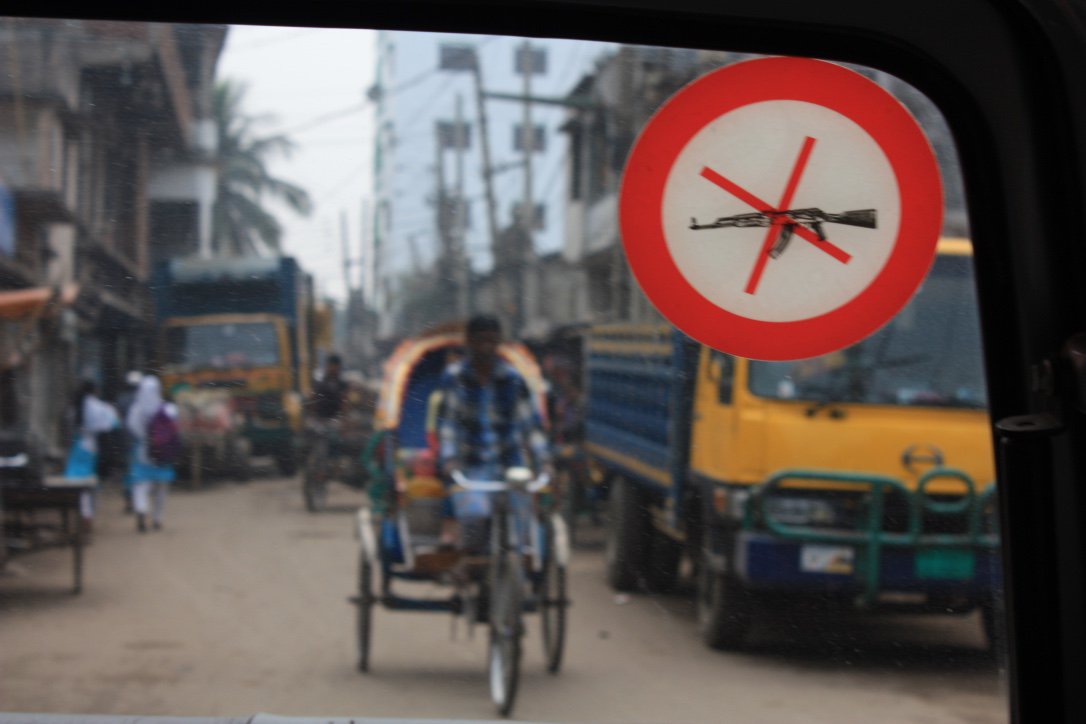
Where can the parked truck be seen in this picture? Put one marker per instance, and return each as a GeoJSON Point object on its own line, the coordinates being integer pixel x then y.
{"type": "Point", "coordinates": [862, 478]}
{"type": "Point", "coordinates": [245, 326]}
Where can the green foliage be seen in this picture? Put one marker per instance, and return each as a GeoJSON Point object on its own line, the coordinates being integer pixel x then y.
{"type": "Point", "coordinates": [241, 223]}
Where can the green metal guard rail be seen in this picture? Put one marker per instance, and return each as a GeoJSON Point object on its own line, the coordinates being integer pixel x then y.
{"type": "Point", "coordinates": [869, 536]}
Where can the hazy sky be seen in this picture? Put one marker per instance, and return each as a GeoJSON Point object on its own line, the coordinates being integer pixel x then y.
{"type": "Point", "coordinates": [299, 76]}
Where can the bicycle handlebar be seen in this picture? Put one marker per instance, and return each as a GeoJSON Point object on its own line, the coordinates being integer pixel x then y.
{"type": "Point", "coordinates": [497, 486]}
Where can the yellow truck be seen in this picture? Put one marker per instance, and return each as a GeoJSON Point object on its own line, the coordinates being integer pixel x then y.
{"type": "Point", "coordinates": [247, 326]}
{"type": "Point", "coordinates": [862, 477]}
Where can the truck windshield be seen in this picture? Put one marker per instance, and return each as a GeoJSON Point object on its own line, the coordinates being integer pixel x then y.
{"type": "Point", "coordinates": [928, 355]}
{"type": "Point", "coordinates": [222, 346]}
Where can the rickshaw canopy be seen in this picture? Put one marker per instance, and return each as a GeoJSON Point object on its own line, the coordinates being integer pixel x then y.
{"type": "Point", "coordinates": [411, 373]}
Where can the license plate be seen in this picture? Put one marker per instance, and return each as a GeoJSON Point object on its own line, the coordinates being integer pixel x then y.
{"type": "Point", "coordinates": [814, 558]}
{"type": "Point", "coordinates": [946, 564]}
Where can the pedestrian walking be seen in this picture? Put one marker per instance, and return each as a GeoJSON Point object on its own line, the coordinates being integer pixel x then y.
{"type": "Point", "coordinates": [152, 423]}
{"type": "Point", "coordinates": [124, 403]}
{"type": "Point", "coordinates": [91, 417]}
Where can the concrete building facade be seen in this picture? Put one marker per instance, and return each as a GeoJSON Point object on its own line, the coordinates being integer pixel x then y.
{"type": "Point", "coordinates": [106, 163]}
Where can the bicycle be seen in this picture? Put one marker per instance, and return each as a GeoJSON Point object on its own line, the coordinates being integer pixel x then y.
{"type": "Point", "coordinates": [510, 542]}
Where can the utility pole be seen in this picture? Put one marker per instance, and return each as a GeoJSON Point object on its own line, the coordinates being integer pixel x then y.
{"type": "Point", "coordinates": [444, 219]}
{"type": "Point", "coordinates": [363, 250]}
{"type": "Point", "coordinates": [462, 270]}
{"type": "Point", "coordinates": [349, 346]}
{"type": "Point", "coordinates": [346, 253]}
{"type": "Point", "coordinates": [416, 256]}
{"type": "Point", "coordinates": [526, 261]}
{"type": "Point", "coordinates": [363, 331]}
{"type": "Point", "coordinates": [460, 57]}
{"type": "Point", "coordinates": [484, 146]}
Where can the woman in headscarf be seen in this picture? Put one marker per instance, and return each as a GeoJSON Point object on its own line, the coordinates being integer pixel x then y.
{"type": "Point", "coordinates": [150, 480]}
{"type": "Point", "coordinates": [90, 417]}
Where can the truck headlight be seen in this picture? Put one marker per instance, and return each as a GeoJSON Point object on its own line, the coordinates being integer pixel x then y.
{"type": "Point", "coordinates": [730, 503]}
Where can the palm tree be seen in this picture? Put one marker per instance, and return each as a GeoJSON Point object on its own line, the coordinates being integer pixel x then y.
{"type": "Point", "coordinates": [241, 224]}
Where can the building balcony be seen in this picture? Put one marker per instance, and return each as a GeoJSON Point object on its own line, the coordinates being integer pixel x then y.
{"type": "Point", "coordinates": [601, 225]}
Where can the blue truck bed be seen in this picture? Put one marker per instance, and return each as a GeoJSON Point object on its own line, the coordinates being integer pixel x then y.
{"type": "Point", "coordinates": [639, 382]}
{"type": "Point", "coordinates": [195, 287]}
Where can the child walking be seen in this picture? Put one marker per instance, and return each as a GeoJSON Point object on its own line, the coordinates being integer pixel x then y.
{"type": "Point", "coordinates": [150, 479]}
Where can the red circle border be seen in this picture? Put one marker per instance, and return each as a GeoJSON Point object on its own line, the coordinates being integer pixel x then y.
{"type": "Point", "coordinates": [707, 98]}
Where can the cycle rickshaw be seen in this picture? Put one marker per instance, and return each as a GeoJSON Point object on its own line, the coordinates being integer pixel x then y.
{"type": "Point", "coordinates": [511, 563]}
{"type": "Point", "coordinates": [333, 448]}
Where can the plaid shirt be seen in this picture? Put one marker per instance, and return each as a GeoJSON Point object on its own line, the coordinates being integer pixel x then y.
{"type": "Point", "coordinates": [488, 425]}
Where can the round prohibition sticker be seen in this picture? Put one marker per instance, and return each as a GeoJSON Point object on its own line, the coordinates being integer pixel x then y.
{"type": "Point", "coordinates": [780, 208]}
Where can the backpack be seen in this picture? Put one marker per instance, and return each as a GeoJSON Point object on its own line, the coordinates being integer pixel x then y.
{"type": "Point", "coordinates": [163, 439]}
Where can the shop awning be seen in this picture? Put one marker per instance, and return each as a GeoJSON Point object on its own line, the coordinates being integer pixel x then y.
{"type": "Point", "coordinates": [20, 303]}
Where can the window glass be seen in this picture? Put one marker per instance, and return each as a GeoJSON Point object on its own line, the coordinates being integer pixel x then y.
{"type": "Point", "coordinates": [222, 346]}
{"type": "Point", "coordinates": [275, 238]}
{"type": "Point", "coordinates": [928, 355]}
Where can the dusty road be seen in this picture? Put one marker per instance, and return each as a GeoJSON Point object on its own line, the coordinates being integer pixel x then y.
{"type": "Point", "coordinates": [239, 606]}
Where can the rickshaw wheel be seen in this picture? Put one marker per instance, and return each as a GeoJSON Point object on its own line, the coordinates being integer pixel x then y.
{"type": "Point", "coordinates": [504, 649]}
{"type": "Point", "coordinates": [365, 612]}
{"type": "Point", "coordinates": [315, 480]}
{"type": "Point", "coordinates": [552, 605]}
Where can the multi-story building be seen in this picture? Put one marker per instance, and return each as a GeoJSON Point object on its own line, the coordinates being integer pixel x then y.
{"type": "Point", "coordinates": [106, 144]}
{"type": "Point", "coordinates": [618, 97]}
{"type": "Point", "coordinates": [433, 211]}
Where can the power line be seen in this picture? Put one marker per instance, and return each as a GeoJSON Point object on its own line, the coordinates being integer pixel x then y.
{"type": "Point", "coordinates": [342, 183]}
{"type": "Point", "coordinates": [319, 120]}
{"type": "Point", "coordinates": [335, 115]}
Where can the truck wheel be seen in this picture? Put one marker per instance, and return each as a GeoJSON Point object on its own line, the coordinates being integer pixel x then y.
{"type": "Point", "coordinates": [241, 472]}
{"type": "Point", "coordinates": [724, 607]}
{"type": "Point", "coordinates": [994, 621]}
{"type": "Point", "coordinates": [287, 463]}
{"type": "Point", "coordinates": [239, 463]}
{"type": "Point", "coordinates": [665, 559]}
{"type": "Point", "coordinates": [626, 536]}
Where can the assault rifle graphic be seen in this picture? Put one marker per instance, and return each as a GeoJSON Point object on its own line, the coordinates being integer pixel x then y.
{"type": "Point", "coordinates": [788, 220]}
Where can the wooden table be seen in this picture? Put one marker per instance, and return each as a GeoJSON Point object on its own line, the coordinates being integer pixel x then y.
{"type": "Point", "coordinates": [22, 505]}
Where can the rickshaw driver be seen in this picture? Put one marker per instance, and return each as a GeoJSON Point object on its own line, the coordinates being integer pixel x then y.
{"type": "Point", "coordinates": [326, 401]}
{"type": "Point", "coordinates": [486, 422]}
{"type": "Point", "coordinates": [324, 408]}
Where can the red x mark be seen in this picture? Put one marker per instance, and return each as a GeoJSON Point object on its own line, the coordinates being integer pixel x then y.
{"type": "Point", "coordinates": [778, 221]}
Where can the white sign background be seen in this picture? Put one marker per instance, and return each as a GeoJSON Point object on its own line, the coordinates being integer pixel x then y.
{"type": "Point", "coordinates": [756, 147]}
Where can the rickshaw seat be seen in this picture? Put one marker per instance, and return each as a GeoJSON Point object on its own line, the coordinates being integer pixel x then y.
{"type": "Point", "coordinates": [422, 495]}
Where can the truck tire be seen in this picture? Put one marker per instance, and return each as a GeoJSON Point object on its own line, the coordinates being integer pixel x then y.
{"type": "Point", "coordinates": [241, 471]}
{"type": "Point", "coordinates": [664, 562]}
{"type": "Point", "coordinates": [994, 621]}
{"type": "Point", "coordinates": [627, 534]}
{"type": "Point", "coordinates": [287, 462]}
{"type": "Point", "coordinates": [724, 606]}
{"type": "Point", "coordinates": [239, 463]}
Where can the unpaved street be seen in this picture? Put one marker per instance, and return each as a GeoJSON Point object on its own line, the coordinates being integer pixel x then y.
{"type": "Point", "coordinates": [239, 606]}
